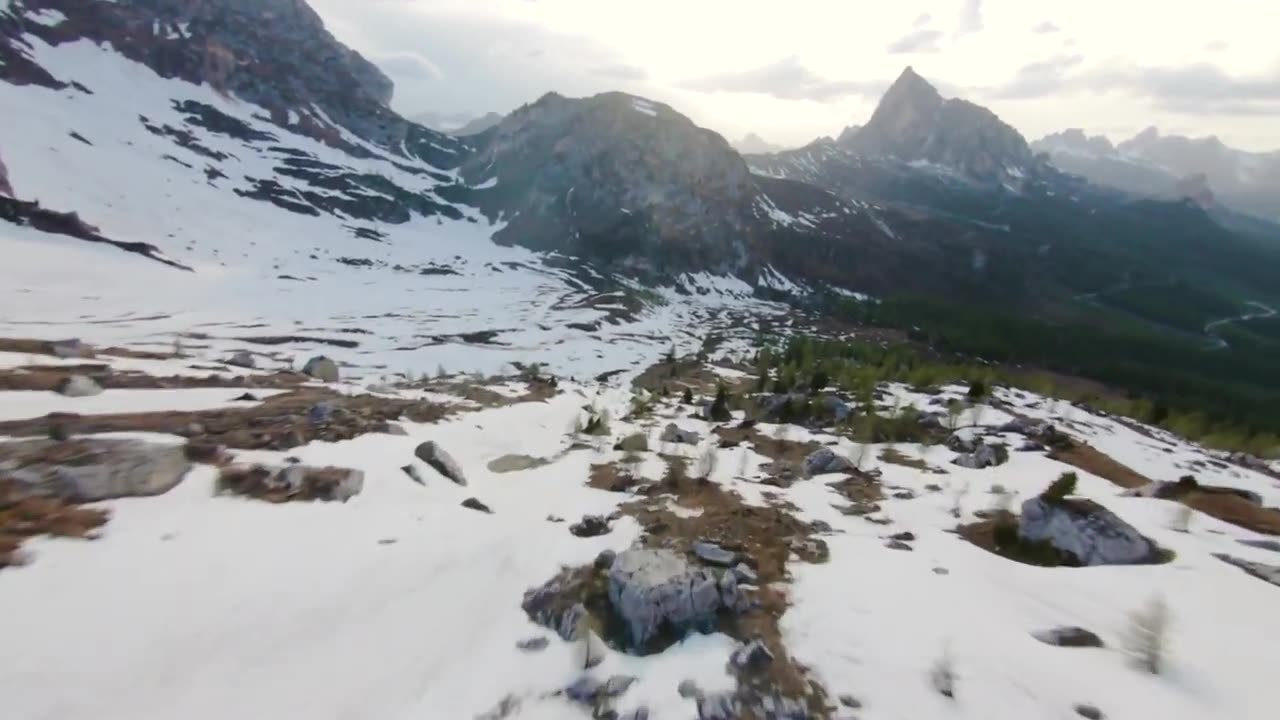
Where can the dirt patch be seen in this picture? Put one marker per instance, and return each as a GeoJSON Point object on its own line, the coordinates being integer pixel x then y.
{"type": "Point", "coordinates": [778, 450]}
{"type": "Point", "coordinates": [894, 457]}
{"type": "Point", "coordinates": [701, 380]}
{"type": "Point", "coordinates": [24, 516]}
{"type": "Point", "coordinates": [1220, 504]}
{"type": "Point", "coordinates": [538, 390]}
{"type": "Point", "coordinates": [768, 536]}
{"type": "Point", "coordinates": [297, 339]}
{"type": "Point", "coordinates": [863, 492]}
{"type": "Point", "coordinates": [611, 478]}
{"type": "Point", "coordinates": [51, 377]}
{"type": "Point", "coordinates": [1092, 461]}
{"type": "Point", "coordinates": [279, 422]}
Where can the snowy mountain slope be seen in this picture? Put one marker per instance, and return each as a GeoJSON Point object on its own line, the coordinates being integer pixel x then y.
{"type": "Point", "coordinates": [402, 603]}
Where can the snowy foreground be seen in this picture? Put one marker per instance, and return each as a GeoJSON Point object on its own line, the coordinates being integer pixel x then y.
{"type": "Point", "coordinates": [403, 604]}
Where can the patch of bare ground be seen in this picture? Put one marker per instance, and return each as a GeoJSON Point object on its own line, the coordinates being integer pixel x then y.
{"type": "Point", "coordinates": [539, 389]}
{"type": "Point", "coordinates": [863, 492]}
{"type": "Point", "coordinates": [51, 377]}
{"type": "Point", "coordinates": [1220, 503]}
{"type": "Point", "coordinates": [23, 516]}
{"type": "Point", "coordinates": [294, 483]}
{"type": "Point", "coordinates": [611, 478]}
{"type": "Point", "coordinates": [768, 536]}
{"type": "Point", "coordinates": [895, 457]}
{"type": "Point", "coordinates": [46, 347]}
{"type": "Point", "coordinates": [691, 374]}
{"type": "Point", "coordinates": [279, 422]}
{"type": "Point", "coordinates": [776, 449]}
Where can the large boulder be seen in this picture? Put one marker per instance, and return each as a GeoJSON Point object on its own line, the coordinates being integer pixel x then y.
{"type": "Point", "coordinates": [1085, 530]}
{"type": "Point", "coordinates": [673, 434]}
{"type": "Point", "coordinates": [435, 456]}
{"type": "Point", "coordinates": [322, 368]}
{"type": "Point", "coordinates": [824, 461]}
{"type": "Point", "coordinates": [102, 469]}
{"type": "Point", "coordinates": [242, 358]}
{"type": "Point", "coordinates": [653, 588]}
{"type": "Point", "coordinates": [79, 386]}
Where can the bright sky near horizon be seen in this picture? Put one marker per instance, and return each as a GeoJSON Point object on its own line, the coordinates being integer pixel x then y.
{"type": "Point", "coordinates": [797, 70]}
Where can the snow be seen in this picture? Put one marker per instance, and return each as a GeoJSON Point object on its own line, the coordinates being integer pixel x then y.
{"type": "Point", "coordinates": [45, 16]}
{"type": "Point", "coordinates": [644, 107]}
{"type": "Point", "coordinates": [491, 182]}
{"type": "Point", "coordinates": [24, 404]}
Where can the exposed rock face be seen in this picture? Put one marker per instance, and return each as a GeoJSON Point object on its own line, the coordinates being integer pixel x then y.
{"type": "Point", "coordinates": [914, 122]}
{"type": "Point", "coordinates": [1086, 530]}
{"type": "Point", "coordinates": [650, 588]}
{"type": "Point", "coordinates": [435, 456]}
{"type": "Point", "coordinates": [824, 460]}
{"type": "Point", "coordinates": [99, 469]}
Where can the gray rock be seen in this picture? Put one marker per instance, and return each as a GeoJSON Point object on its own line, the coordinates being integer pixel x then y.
{"type": "Point", "coordinates": [962, 443]}
{"type": "Point", "coordinates": [673, 434]}
{"type": "Point", "coordinates": [1090, 532]}
{"type": "Point", "coordinates": [754, 654]}
{"type": "Point", "coordinates": [1068, 637]}
{"type": "Point", "coordinates": [537, 644]}
{"type": "Point", "coordinates": [824, 461]}
{"type": "Point", "coordinates": [1089, 712]}
{"type": "Point", "coordinates": [396, 429]}
{"type": "Point", "coordinates": [122, 468]}
{"type": "Point", "coordinates": [638, 442]}
{"type": "Point", "coordinates": [321, 368]}
{"type": "Point", "coordinates": [720, 706]}
{"type": "Point", "coordinates": [590, 526]}
{"type": "Point", "coordinates": [443, 463]}
{"type": "Point", "coordinates": [242, 358]}
{"type": "Point", "coordinates": [474, 504]}
{"type": "Point", "coordinates": [70, 348]}
{"type": "Point", "coordinates": [320, 413]}
{"type": "Point", "coordinates": [836, 407]}
{"type": "Point", "coordinates": [850, 701]}
{"type": "Point", "coordinates": [584, 689]}
{"type": "Point", "coordinates": [571, 621]}
{"type": "Point", "coordinates": [593, 648]}
{"type": "Point", "coordinates": [689, 689]}
{"type": "Point", "coordinates": [652, 587]}
{"type": "Point", "coordinates": [984, 456]}
{"type": "Point", "coordinates": [515, 463]}
{"type": "Point", "coordinates": [1250, 461]}
{"type": "Point", "coordinates": [640, 713]}
{"type": "Point", "coordinates": [897, 545]}
{"type": "Point", "coordinates": [617, 685]}
{"type": "Point", "coordinates": [605, 559]}
{"type": "Point", "coordinates": [413, 474]}
{"type": "Point", "coordinates": [932, 420]}
{"type": "Point", "coordinates": [745, 575]}
{"type": "Point", "coordinates": [1271, 545]}
{"type": "Point", "coordinates": [79, 386]}
{"type": "Point", "coordinates": [709, 552]}
{"type": "Point", "coordinates": [1262, 571]}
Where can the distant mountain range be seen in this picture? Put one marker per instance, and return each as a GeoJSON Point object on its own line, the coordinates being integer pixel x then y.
{"type": "Point", "coordinates": [458, 125]}
{"type": "Point", "coordinates": [753, 144]}
{"type": "Point", "coordinates": [1172, 166]}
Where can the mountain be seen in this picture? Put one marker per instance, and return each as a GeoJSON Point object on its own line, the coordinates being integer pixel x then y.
{"type": "Point", "coordinates": [752, 143]}
{"type": "Point", "coordinates": [1155, 165]}
{"type": "Point", "coordinates": [477, 125]}
{"type": "Point", "coordinates": [914, 123]}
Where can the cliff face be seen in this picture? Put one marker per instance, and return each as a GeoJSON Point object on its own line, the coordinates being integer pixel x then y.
{"type": "Point", "coordinates": [272, 53]}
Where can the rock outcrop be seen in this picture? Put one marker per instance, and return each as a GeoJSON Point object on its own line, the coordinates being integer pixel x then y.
{"type": "Point", "coordinates": [1088, 532]}
{"type": "Point", "coordinates": [442, 462]}
{"type": "Point", "coordinates": [96, 469]}
{"type": "Point", "coordinates": [650, 589]}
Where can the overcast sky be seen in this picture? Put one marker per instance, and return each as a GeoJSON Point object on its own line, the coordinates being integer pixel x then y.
{"type": "Point", "coordinates": [795, 70]}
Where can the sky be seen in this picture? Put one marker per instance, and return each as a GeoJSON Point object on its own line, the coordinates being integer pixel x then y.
{"type": "Point", "coordinates": [801, 69]}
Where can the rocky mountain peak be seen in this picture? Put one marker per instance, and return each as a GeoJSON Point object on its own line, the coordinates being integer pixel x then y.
{"type": "Point", "coordinates": [913, 122]}
{"type": "Point", "coordinates": [1074, 140]}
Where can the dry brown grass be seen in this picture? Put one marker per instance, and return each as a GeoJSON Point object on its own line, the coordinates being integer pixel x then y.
{"type": "Point", "coordinates": [768, 536]}
{"type": "Point", "coordinates": [1092, 461]}
{"type": "Point", "coordinates": [786, 451]}
{"type": "Point", "coordinates": [894, 457]}
{"type": "Point", "coordinates": [25, 516]}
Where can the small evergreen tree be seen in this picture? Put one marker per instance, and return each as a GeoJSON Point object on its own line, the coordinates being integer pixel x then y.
{"type": "Point", "coordinates": [687, 397]}
{"type": "Point", "coordinates": [977, 390]}
{"type": "Point", "coordinates": [1062, 487]}
{"type": "Point", "coordinates": [720, 406]}
{"type": "Point", "coordinates": [819, 380]}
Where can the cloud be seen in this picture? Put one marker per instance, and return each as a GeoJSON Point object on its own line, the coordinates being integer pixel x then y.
{"type": "Point", "coordinates": [1046, 27]}
{"type": "Point", "coordinates": [620, 71]}
{"type": "Point", "coordinates": [970, 18]}
{"type": "Point", "coordinates": [786, 79]}
{"type": "Point", "coordinates": [1038, 79]}
{"type": "Point", "coordinates": [916, 41]}
{"type": "Point", "coordinates": [1194, 89]}
{"type": "Point", "coordinates": [922, 20]}
{"type": "Point", "coordinates": [407, 65]}
{"type": "Point", "coordinates": [1214, 46]}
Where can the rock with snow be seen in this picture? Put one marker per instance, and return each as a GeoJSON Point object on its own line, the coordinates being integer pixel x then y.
{"type": "Point", "coordinates": [242, 358]}
{"type": "Point", "coordinates": [636, 442]}
{"type": "Point", "coordinates": [474, 504]}
{"type": "Point", "coordinates": [1086, 530]}
{"type": "Point", "coordinates": [1252, 462]}
{"type": "Point", "coordinates": [824, 461]}
{"type": "Point", "coordinates": [1272, 545]}
{"type": "Point", "coordinates": [673, 434]}
{"type": "Point", "coordinates": [110, 468]}
{"type": "Point", "coordinates": [79, 386]}
{"type": "Point", "coordinates": [836, 407]}
{"type": "Point", "coordinates": [1262, 571]}
{"type": "Point", "coordinates": [537, 644]}
{"type": "Point", "coordinates": [1068, 636]}
{"type": "Point", "coordinates": [984, 456]}
{"type": "Point", "coordinates": [745, 574]}
{"type": "Point", "coordinates": [321, 368]}
{"type": "Point", "coordinates": [688, 689]}
{"type": "Point", "coordinates": [442, 462]}
{"type": "Point", "coordinates": [712, 553]}
{"type": "Point", "coordinates": [962, 443]}
{"type": "Point", "coordinates": [413, 474]}
{"type": "Point", "coordinates": [1089, 712]}
{"type": "Point", "coordinates": [605, 559]}
{"type": "Point", "coordinates": [650, 588]}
